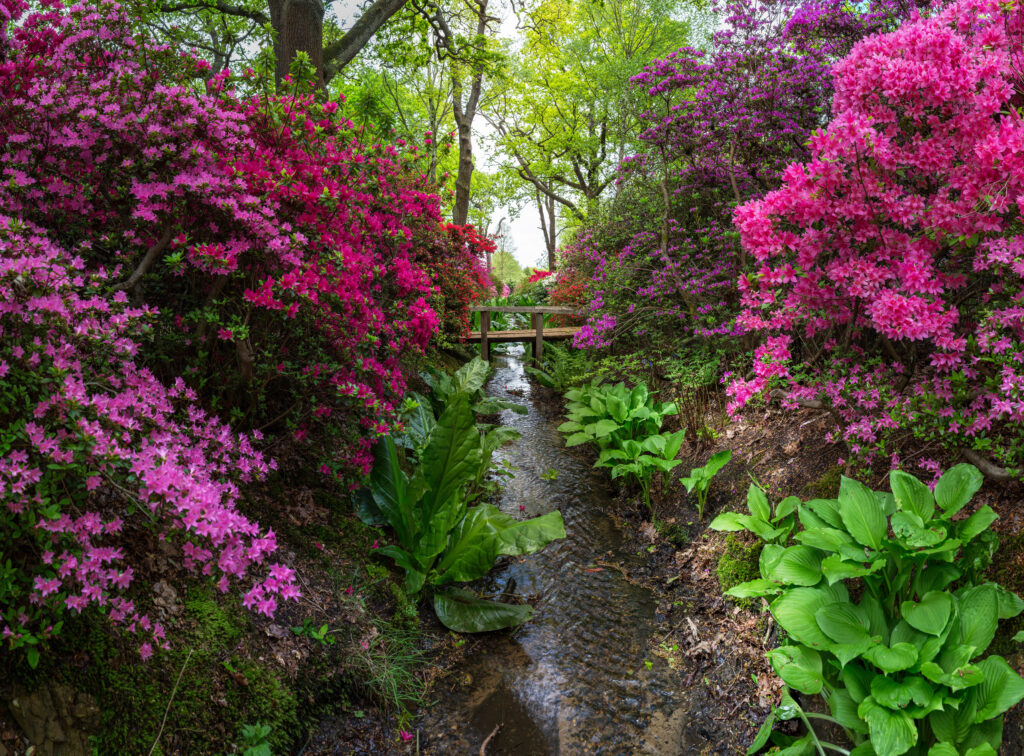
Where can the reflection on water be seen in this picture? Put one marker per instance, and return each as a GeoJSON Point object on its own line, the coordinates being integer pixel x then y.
{"type": "Point", "coordinates": [569, 681]}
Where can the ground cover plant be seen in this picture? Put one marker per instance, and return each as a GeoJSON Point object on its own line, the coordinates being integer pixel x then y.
{"type": "Point", "coordinates": [887, 615]}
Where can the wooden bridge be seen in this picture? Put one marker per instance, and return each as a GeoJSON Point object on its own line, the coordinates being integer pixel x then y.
{"type": "Point", "coordinates": [537, 333]}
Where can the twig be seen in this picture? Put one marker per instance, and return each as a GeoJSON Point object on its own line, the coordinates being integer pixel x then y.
{"type": "Point", "coordinates": [483, 746]}
{"type": "Point", "coordinates": [169, 702]}
{"type": "Point", "coordinates": [148, 260]}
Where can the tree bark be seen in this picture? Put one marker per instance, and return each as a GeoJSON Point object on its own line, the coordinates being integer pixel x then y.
{"type": "Point", "coordinates": [548, 218]}
{"type": "Point", "coordinates": [464, 113]}
{"type": "Point", "coordinates": [298, 27]}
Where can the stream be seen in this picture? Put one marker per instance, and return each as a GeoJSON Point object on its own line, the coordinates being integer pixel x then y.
{"type": "Point", "coordinates": [573, 679]}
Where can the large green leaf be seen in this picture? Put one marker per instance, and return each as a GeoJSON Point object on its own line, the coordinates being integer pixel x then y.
{"type": "Point", "coordinates": [912, 495]}
{"type": "Point", "coordinates": [495, 438]}
{"type": "Point", "coordinates": [835, 568]}
{"type": "Point", "coordinates": [956, 487]}
{"type": "Point", "coordinates": [976, 524]}
{"type": "Point", "coordinates": [527, 536]}
{"type": "Point", "coordinates": [470, 378]}
{"type": "Point", "coordinates": [913, 534]}
{"type": "Point", "coordinates": [798, 565]}
{"type": "Point", "coordinates": [717, 462]}
{"type": "Point", "coordinates": [799, 668]}
{"type": "Point", "coordinates": [1001, 688]}
{"type": "Point", "coordinates": [844, 711]}
{"type": "Point", "coordinates": [602, 428]}
{"type": "Point", "coordinates": [894, 658]}
{"type": "Point", "coordinates": [931, 614]}
{"type": "Point", "coordinates": [897, 694]}
{"type": "Point", "coordinates": [414, 576]}
{"type": "Point", "coordinates": [862, 515]}
{"type": "Point", "coordinates": [795, 609]}
{"type": "Point", "coordinates": [827, 510]}
{"type": "Point", "coordinates": [464, 612]}
{"type": "Point", "coordinates": [757, 503]}
{"type": "Point", "coordinates": [761, 739]}
{"type": "Point", "coordinates": [978, 610]}
{"type": "Point", "coordinates": [759, 587]}
{"type": "Point", "coordinates": [842, 622]}
{"type": "Point", "coordinates": [673, 443]}
{"type": "Point", "coordinates": [617, 409]}
{"type": "Point", "coordinates": [826, 539]}
{"type": "Point", "coordinates": [892, 732]}
{"type": "Point", "coordinates": [395, 496]}
{"type": "Point", "coordinates": [451, 457]}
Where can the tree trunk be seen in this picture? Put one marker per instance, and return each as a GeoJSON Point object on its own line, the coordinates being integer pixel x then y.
{"type": "Point", "coordinates": [546, 206]}
{"type": "Point", "coordinates": [464, 177]}
{"type": "Point", "coordinates": [298, 27]}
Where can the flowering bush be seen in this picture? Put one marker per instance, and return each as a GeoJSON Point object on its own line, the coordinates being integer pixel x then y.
{"type": "Point", "coordinates": [154, 225]}
{"type": "Point", "coordinates": [453, 258]}
{"type": "Point", "coordinates": [890, 264]}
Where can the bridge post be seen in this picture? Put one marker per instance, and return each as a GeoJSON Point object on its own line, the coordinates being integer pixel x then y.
{"type": "Point", "coordinates": [538, 326]}
{"type": "Point", "coordinates": [485, 326]}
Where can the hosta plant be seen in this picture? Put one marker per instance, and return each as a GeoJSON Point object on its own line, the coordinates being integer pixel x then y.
{"type": "Point", "coordinates": [440, 539]}
{"type": "Point", "coordinates": [699, 479]}
{"type": "Point", "coordinates": [641, 459]}
{"type": "Point", "coordinates": [610, 415]}
{"type": "Point", "coordinates": [886, 617]}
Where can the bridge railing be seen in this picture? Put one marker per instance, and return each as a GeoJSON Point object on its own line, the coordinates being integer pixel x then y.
{"type": "Point", "coordinates": [535, 333]}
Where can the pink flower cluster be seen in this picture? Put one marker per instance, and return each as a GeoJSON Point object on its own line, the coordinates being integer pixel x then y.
{"type": "Point", "coordinates": [891, 263]}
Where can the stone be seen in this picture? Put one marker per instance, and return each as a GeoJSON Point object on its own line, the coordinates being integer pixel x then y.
{"type": "Point", "coordinates": [56, 719]}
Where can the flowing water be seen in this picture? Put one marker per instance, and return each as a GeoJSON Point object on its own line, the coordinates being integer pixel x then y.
{"type": "Point", "coordinates": [572, 680]}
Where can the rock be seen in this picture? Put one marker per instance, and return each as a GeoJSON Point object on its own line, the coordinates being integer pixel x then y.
{"type": "Point", "coordinates": [276, 631]}
{"type": "Point", "coordinates": [166, 599]}
{"type": "Point", "coordinates": [56, 719]}
{"type": "Point", "coordinates": [791, 448]}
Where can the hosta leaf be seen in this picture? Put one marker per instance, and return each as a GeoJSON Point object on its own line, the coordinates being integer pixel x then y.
{"type": "Point", "coordinates": [1001, 688]}
{"type": "Point", "coordinates": [1010, 604]}
{"type": "Point", "coordinates": [761, 739]}
{"type": "Point", "coordinates": [912, 495]}
{"type": "Point", "coordinates": [842, 622]}
{"type": "Point", "coordinates": [844, 711]}
{"type": "Point", "coordinates": [956, 487]}
{"type": "Point", "coordinates": [798, 565]}
{"type": "Point", "coordinates": [936, 577]}
{"type": "Point", "coordinates": [892, 732]}
{"type": "Point", "coordinates": [895, 694]}
{"type": "Point", "coordinates": [470, 378]}
{"type": "Point", "coordinates": [943, 749]}
{"type": "Point", "coordinates": [857, 680]}
{"type": "Point", "coordinates": [826, 539]}
{"type": "Point", "coordinates": [963, 677]}
{"type": "Point", "coordinates": [786, 507]}
{"type": "Point", "coordinates": [717, 462]}
{"type": "Point", "coordinates": [654, 444]}
{"type": "Point", "coordinates": [602, 428]}
{"type": "Point", "coordinates": [799, 668]}
{"type": "Point", "coordinates": [617, 409]}
{"type": "Point", "coordinates": [911, 533]}
{"type": "Point", "coordinates": [931, 614]}
{"type": "Point", "coordinates": [893, 658]}
{"type": "Point", "coordinates": [570, 426]}
{"type": "Point", "coordinates": [978, 616]}
{"type": "Point", "coordinates": [794, 611]}
{"type": "Point", "coordinates": [835, 568]}
{"type": "Point", "coordinates": [728, 521]}
{"type": "Point", "coordinates": [757, 503]}
{"type": "Point", "coordinates": [861, 513]}
{"type": "Point", "coordinates": [827, 510]}
{"type": "Point", "coordinates": [759, 587]}
{"type": "Point", "coordinates": [976, 524]}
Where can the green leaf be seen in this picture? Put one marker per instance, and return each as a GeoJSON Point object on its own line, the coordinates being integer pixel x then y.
{"type": "Point", "coordinates": [943, 749]}
{"type": "Point", "coordinates": [931, 614]}
{"type": "Point", "coordinates": [1010, 604]}
{"type": "Point", "coordinates": [896, 695]}
{"type": "Point", "coordinates": [798, 565]}
{"type": "Point", "coordinates": [893, 658]}
{"type": "Point", "coordinates": [827, 510]}
{"type": "Point", "coordinates": [578, 438]}
{"type": "Point", "coordinates": [32, 656]}
{"type": "Point", "coordinates": [570, 426]}
{"type": "Point", "coordinates": [757, 503]}
{"type": "Point", "coordinates": [956, 487]}
{"type": "Point", "coordinates": [451, 457]}
{"type": "Point", "coordinates": [602, 428]}
{"type": "Point", "coordinates": [976, 524]}
{"type": "Point", "coordinates": [786, 507]}
{"type": "Point", "coordinates": [826, 539]}
{"type": "Point", "coordinates": [464, 612]}
{"type": "Point", "coordinates": [912, 495]}
{"type": "Point", "coordinates": [617, 409]}
{"type": "Point", "coordinates": [842, 622]}
{"type": "Point", "coordinates": [761, 739]}
{"type": "Point", "coordinates": [861, 513]}
{"type": "Point", "coordinates": [978, 617]}
{"type": "Point", "coordinates": [717, 462]}
{"type": "Point", "coordinates": [844, 711]}
{"type": "Point", "coordinates": [936, 577]}
{"type": "Point", "coordinates": [799, 668]}
{"type": "Point", "coordinates": [1001, 688]}
{"type": "Point", "coordinates": [470, 378]}
{"type": "Point", "coordinates": [754, 588]}
{"type": "Point", "coordinates": [892, 733]}
{"type": "Point", "coordinates": [835, 568]}
{"type": "Point", "coordinates": [966, 676]}
{"type": "Point", "coordinates": [673, 443]}
{"type": "Point", "coordinates": [912, 534]}
{"type": "Point", "coordinates": [393, 493]}
{"type": "Point", "coordinates": [795, 610]}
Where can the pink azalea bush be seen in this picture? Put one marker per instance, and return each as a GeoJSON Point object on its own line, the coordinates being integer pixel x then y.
{"type": "Point", "coordinates": [167, 246]}
{"type": "Point", "coordinates": [889, 281]}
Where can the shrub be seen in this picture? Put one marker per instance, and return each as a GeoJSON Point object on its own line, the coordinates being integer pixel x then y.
{"type": "Point", "coordinates": [886, 616]}
{"type": "Point", "coordinates": [889, 264]}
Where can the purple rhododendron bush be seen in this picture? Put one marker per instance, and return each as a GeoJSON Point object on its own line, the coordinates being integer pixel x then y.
{"type": "Point", "coordinates": [174, 257]}
{"type": "Point", "coordinates": [889, 266]}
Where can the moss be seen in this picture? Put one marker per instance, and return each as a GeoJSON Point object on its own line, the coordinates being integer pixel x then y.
{"type": "Point", "coordinates": [737, 564]}
{"type": "Point", "coordinates": [675, 533]}
{"type": "Point", "coordinates": [825, 487]}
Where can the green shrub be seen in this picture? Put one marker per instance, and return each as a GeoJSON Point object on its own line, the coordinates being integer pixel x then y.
{"type": "Point", "coordinates": [882, 599]}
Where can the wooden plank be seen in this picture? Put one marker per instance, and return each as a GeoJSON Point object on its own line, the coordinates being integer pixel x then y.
{"type": "Point", "coordinates": [528, 310]}
{"type": "Point", "coordinates": [538, 341]}
{"type": "Point", "coordinates": [508, 337]}
{"type": "Point", "coordinates": [485, 325]}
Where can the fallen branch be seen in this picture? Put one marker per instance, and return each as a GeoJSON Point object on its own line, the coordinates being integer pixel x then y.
{"type": "Point", "coordinates": [169, 702]}
{"type": "Point", "coordinates": [988, 468]}
{"type": "Point", "coordinates": [809, 403]}
{"type": "Point", "coordinates": [147, 261]}
{"type": "Point", "coordinates": [483, 746]}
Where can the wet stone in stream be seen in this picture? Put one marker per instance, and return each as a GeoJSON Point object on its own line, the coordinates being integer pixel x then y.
{"type": "Point", "coordinates": [572, 680]}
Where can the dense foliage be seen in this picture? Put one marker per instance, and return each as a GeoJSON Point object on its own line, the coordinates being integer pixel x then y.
{"type": "Point", "coordinates": [886, 614]}
{"type": "Point", "coordinates": [166, 247]}
{"type": "Point", "coordinates": [890, 263]}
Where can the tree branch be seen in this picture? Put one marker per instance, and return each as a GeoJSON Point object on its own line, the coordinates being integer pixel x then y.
{"type": "Point", "coordinates": [147, 261]}
{"type": "Point", "coordinates": [216, 5]}
{"type": "Point", "coordinates": [340, 53]}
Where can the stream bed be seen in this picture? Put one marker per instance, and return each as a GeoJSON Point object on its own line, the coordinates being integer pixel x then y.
{"type": "Point", "coordinates": [573, 680]}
